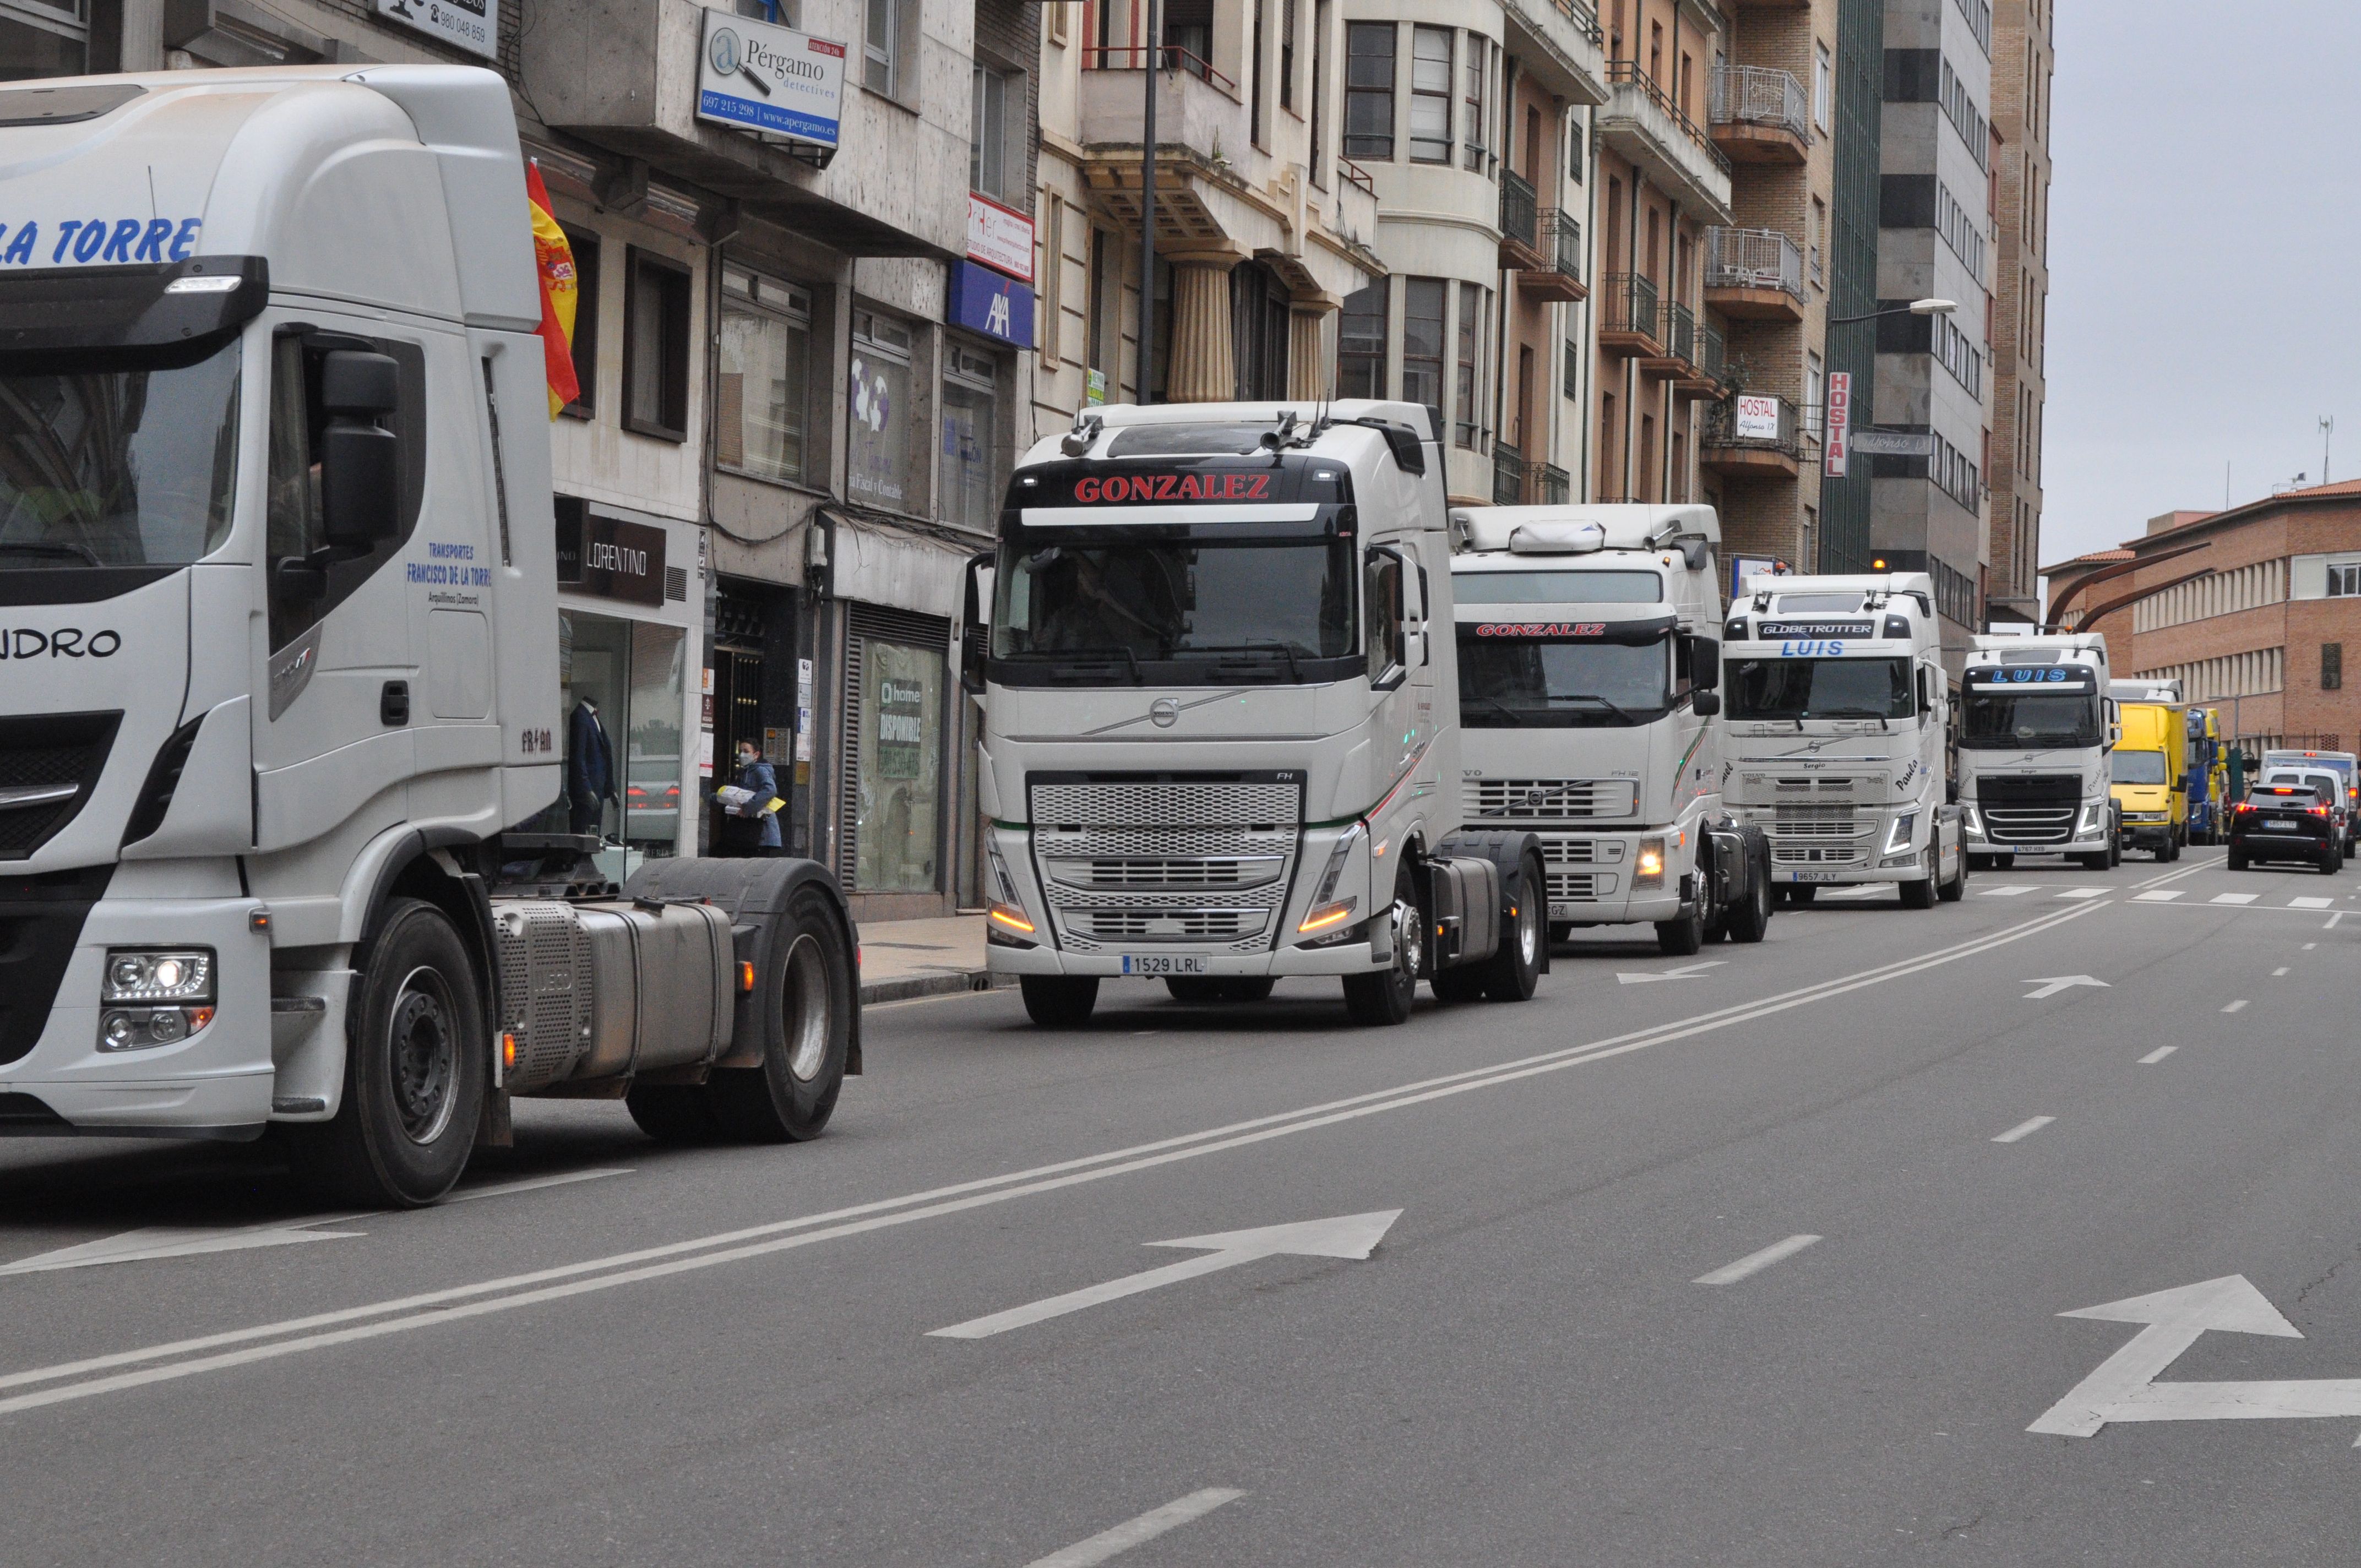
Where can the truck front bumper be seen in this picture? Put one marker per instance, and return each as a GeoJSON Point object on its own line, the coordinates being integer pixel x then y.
{"type": "Point", "coordinates": [215, 1083]}
{"type": "Point", "coordinates": [1604, 889]}
{"type": "Point", "coordinates": [1345, 957]}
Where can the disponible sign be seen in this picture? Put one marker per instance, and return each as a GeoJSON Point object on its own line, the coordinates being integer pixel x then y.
{"type": "Point", "coordinates": [473, 24]}
{"type": "Point", "coordinates": [1758, 419]}
{"type": "Point", "coordinates": [1838, 424]}
{"type": "Point", "coordinates": [1000, 237]}
{"type": "Point", "coordinates": [758, 77]}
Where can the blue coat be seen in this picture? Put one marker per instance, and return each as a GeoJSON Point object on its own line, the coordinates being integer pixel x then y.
{"type": "Point", "coordinates": [758, 777]}
{"type": "Point", "coordinates": [590, 757]}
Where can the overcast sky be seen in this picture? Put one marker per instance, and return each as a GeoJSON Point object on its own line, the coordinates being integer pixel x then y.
{"type": "Point", "coordinates": [2204, 248]}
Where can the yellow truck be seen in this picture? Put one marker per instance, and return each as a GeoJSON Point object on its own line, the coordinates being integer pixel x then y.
{"type": "Point", "coordinates": [2151, 769]}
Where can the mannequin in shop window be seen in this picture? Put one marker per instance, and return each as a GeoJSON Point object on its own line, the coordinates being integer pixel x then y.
{"type": "Point", "coordinates": [590, 768]}
{"type": "Point", "coordinates": [754, 819]}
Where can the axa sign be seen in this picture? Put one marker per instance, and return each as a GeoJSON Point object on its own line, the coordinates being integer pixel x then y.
{"type": "Point", "coordinates": [992, 303]}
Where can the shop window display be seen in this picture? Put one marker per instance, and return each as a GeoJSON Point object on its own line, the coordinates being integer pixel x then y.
{"type": "Point", "coordinates": [898, 831]}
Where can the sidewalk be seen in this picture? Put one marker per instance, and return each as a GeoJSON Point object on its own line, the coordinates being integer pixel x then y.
{"type": "Point", "coordinates": [903, 959]}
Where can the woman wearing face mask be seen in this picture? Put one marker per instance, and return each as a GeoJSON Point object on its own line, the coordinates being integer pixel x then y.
{"type": "Point", "coordinates": [759, 825]}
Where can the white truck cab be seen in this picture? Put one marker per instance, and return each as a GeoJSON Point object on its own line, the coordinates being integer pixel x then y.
{"type": "Point", "coordinates": [1590, 656]}
{"type": "Point", "coordinates": [2034, 729]}
{"type": "Point", "coordinates": [1838, 724]}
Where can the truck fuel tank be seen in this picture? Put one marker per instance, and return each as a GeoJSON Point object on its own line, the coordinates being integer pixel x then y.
{"type": "Point", "coordinates": [602, 989]}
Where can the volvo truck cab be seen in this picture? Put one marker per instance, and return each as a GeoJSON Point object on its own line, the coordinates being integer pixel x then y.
{"type": "Point", "coordinates": [2036, 726]}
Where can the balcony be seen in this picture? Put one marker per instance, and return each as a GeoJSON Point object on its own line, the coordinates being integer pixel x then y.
{"type": "Point", "coordinates": [1560, 44]}
{"type": "Point", "coordinates": [1520, 223]}
{"type": "Point", "coordinates": [1560, 275]}
{"type": "Point", "coordinates": [1754, 275]}
{"type": "Point", "coordinates": [1507, 475]}
{"type": "Point", "coordinates": [1721, 450]}
{"type": "Point", "coordinates": [1677, 333]}
{"type": "Point", "coordinates": [1759, 114]}
{"type": "Point", "coordinates": [1630, 324]}
{"type": "Point", "coordinates": [1703, 369]}
{"type": "Point", "coordinates": [1642, 123]}
{"type": "Point", "coordinates": [1552, 486]}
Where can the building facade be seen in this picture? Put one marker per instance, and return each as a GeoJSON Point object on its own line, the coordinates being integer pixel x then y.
{"type": "Point", "coordinates": [2251, 609]}
{"type": "Point", "coordinates": [2023, 59]}
{"type": "Point", "coordinates": [1936, 198]}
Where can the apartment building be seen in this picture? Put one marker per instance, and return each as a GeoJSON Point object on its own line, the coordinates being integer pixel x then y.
{"type": "Point", "coordinates": [1263, 227]}
{"type": "Point", "coordinates": [804, 360]}
{"type": "Point", "coordinates": [1773, 115]}
{"type": "Point", "coordinates": [1937, 211]}
{"type": "Point", "coordinates": [1660, 185]}
{"type": "Point", "coordinates": [2023, 59]}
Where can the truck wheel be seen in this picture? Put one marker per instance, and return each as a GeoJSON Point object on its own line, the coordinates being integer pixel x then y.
{"type": "Point", "coordinates": [1749, 921]}
{"type": "Point", "coordinates": [1516, 968]}
{"type": "Point", "coordinates": [1383, 999]}
{"type": "Point", "coordinates": [414, 1073]}
{"type": "Point", "coordinates": [1680, 938]}
{"type": "Point", "coordinates": [1059, 1001]}
{"type": "Point", "coordinates": [1464, 983]}
{"type": "Point", "coordinates": [1921, 895]}
{"type": "Point", "coordinates": [790, 1097]}
{"type": "Point", "coordinates": [674, 1114]}
{"type": "Point", "coordinates": [1956, 889]}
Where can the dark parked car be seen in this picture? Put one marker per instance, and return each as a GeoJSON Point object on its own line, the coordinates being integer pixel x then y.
{"type": "Point", "coordinates": [2285, 822]}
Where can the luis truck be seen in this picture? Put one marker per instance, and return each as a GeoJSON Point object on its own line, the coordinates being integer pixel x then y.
{"type": "Point", "coordinates": [2150, 767]}
{"type": "Point", "coordinates": [2036, 724]}
{"type": "Point", "coordinates": [278, 554]}
{"type": "Point", "coordinates": [1221, 736]}
{"type": "Point", "coordinates": [1589, 655]}
{"type": "Point", "coordinates": [1838, 729]}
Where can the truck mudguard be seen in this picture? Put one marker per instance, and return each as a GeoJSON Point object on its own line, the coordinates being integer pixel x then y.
{"type": "Point", "coordinates": [1508, 849]}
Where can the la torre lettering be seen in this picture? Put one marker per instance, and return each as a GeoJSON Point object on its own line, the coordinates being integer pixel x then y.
{"type": "Point", "coordinates": [1172, 488]}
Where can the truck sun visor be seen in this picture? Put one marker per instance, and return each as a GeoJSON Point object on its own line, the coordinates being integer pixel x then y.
{"type": "Point", "coordinates": [191, 304]}
{"type": "Point", "coordinates": [1628, 631]}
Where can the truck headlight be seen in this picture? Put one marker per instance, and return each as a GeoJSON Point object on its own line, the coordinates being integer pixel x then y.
{"type": "Point", "coordinates": [2089, 823]}
{"type": "Point", "coordinates": [138, 979]}
{"type": "Point", "coordinates": [1005, 921]}
{"type": "Point", "coordinates": [1328, 910]}
{"type": "Point", "coordinates": [1897, 837]}
{"type": "Point", "coordinates": [1650, 865]}
{"type": "Point", "coordinates": [1971, 821]}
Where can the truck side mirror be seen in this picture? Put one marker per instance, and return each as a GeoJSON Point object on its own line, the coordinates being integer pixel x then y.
{"type": "Point", "coordinates": [1705, 664]}
{"type": "Point", "coordinates": [1706, 704]}
{"type": "Point", "coordinates": [360, 479]}
{"type": "Point", "coordinates": [975, 640]}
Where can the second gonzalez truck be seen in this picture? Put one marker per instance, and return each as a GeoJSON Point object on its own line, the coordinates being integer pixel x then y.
{"type": "Point", "coordinates": [1221, 736]}
{"type": "Point", "coordinates": [1590, 659]}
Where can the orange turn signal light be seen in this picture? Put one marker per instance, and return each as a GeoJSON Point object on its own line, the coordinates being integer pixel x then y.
{"type": "Point", "coordinates": [199, 1017]}
{"type": "Point", "coordinates": [1012, 917]}
{"type": "Point", "coordinates": [745, 980]}
{"type": "Point", "coordinates": [508, 1050]}
{"type": "Point", "coordinates": [1327, 914]}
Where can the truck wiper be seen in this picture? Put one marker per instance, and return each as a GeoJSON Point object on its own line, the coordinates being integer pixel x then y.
{"type": "Point", "coordinates": [1515, 714]}
{"type": "Point", "coordinates": [1063, 659]}
{"type": "Point", "coordinates": [1251, 645]}
{"type": "Point", "coordinates": [63, 549]}
{"type": "Point", "coordinates": [1603, 702]}
{"type": "Point", "coordinates": [1856, 713]}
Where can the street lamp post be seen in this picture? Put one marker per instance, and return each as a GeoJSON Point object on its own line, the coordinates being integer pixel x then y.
{"type": "Point", "coordinates": [1914, 308]}
{"type": "Point", "coordinates": [1148, 197]}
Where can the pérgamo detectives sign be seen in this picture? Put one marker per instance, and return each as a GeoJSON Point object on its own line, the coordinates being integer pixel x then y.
{"type": "Point", "coordinates": [758, 77]}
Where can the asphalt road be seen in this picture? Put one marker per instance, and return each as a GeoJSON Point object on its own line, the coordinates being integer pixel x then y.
{"type": "Point", "coordinates": [1757, 1263]}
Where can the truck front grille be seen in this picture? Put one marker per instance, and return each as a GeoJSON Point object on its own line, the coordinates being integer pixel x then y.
{"type": "Point", "coordinates": [1170, 926]}
{"type": "Point", "coordinates": [1774, 788]}
{"type": "Point", "coordinates": [1790, 822]}
{"type": "Point", "coordinates": [1235, 871]}
{"type": "Point", "coordinates": [1549, 800]}
{"type": "Point", "coordinates": [50, 763]}
{"type": "Point", "coordinates": [1568, 886]}
{"type": "Point", "coordinates": [1817, 855]}
{"type": "Point", "coordinates": [1190, 859]}
{"type": "Point", "coordinates": [2029, 808]}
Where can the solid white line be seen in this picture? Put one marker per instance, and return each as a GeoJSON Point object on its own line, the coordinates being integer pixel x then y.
{"type": "Point", "coordinates": [2081, 892]}
{"type": "Point", "coordinates": [1755, 1262]}
{"type": "Point", "coordinates": [2234, 898]}
{"type": "Point", "coordinates": [2206, 864]}
{"type": "Point", "coordinates": [671, 1257]}
{"type": "Point", "coordinates": [1092, 1296]}
{"type": "Point", "coordinates": [1132, 1532]}
{"type": "Point", "coordinates": [2277, 973]}
{"type": "Point", "coordinates": [2157, 1055]}
{"type": "Point", "coordinates": [2234, 1006]}
{"type": "Point", "coordinates": [2025, 1128]}
{"type": "Point", "coordinates": [2163, 895]}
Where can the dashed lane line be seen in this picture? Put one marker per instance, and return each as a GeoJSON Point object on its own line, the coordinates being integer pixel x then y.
{"type": "Point", "coordinates": [2235, 1006]}
{"type": "Point", "coordinates": [2024, 1129]}
{"type": "Point", "coordinates": [2157, 1055]}
{"type": "Point", "coordinates": [2312, 904]}
{"type": "Point", "coordinates": [1755, 1262]}
{"type": "Point", "coordinates": [2277, 972]}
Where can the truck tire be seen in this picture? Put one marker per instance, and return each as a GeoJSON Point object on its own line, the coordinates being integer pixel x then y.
{"type": "Point", "coordinates": [1921, 895]}
{"type": "Point", "coordinates": [1682, 936]}
{"type": "Point", "coordinates": [1204, 990]}
{"type": "Point", "coordinates": [790, 1098]}
{"type": "Point", "coordinates": [1750, 919]}
{"type": "Point", "coordinates": [1516, 967]}
{"type": "Point", "coordinates": [674, 1114]}
{"type": "Point", "coordinates": [1059, 1001]}
{"type": "Point", "coordinates": [1956, 889]}
{"type": "Point", "coordinates": [1382, 999]}
{"type": "Point", "coordinates": [1800, 896]}
{"type": "Point", "coordinates": [414, 1076]}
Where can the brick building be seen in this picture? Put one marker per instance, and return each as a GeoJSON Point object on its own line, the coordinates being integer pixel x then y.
{"type": "Point", "coordinates": [2250, 608]}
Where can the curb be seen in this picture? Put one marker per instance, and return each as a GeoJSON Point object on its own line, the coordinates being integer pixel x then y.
{"type": "Point", "coordinates": [930, 986]}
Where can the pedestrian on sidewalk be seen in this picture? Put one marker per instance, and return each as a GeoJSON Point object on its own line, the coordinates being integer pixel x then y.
{"type": "Point", "coordinates": [756, 828]}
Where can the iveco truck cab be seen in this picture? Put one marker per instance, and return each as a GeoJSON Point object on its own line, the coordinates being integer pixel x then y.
{"type": "Point", "coordinates": [2036, 724]}
{"type": "Point", "coordinates": [1838, 728]}
{"type": "Point", "coordinates": [2150, 767]}
{"type": "Point", "coordinates": [277, 558]}
{"type": "Point", "coordinates": [1221, 718]}
{"type": "Point", "coordinates": [1589, 655]}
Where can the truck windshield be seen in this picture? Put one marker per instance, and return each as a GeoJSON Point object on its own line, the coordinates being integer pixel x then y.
{"type": "Point", "coordinates": [2008, 718]}
{"type": "Point", "coordinates": [1820, 688]}
{"type": "Point", "coordinates": [1174, 599]}
{"type": "Point", "coordinates": [2138, 767]}
{"type": "Point", "coordinates": [1541, 683]}
{"type": "Point", "coordinates": [117, 467]}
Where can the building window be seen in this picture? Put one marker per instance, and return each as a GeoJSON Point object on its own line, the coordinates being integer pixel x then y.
{"type": "Point", "coordinates": [2332, 666]}
{"type": "Point", "coordinates": [884, 466]}
{"type": "Point", "coordinates": [621, 686]}
{"type": "Point", "coordinates": [584, 246]}
{"type": "Point", "coordinates": [1814, 391]}
{"type": "Point", "coordinates": [1474, 130]}
{"type": "Point", "coordinates": [1052, 275]}
{"type": "Point", "coordinates": [2345, 580]}
{"type": "Point", "coordinates": [1430, 95]}
{"type": "Point", "coordinates": [763, 392]}
{"type": "Point", "coordinates": [38, 40]}
{"type": "Point", "coordinates": [1057, 23]}
{"type": "Point", "coordinates": [877, 46]}
{"type": "Point", "coordinates": [655, 346]}
{"type": "Point", "coordinates": [1471, 342]}
{"type": "Point", "coordinates": [1369, 89]}
{"type": "Point", "coordinates": [1287, 31]}
{"type": "Point", "coordinates": [1320, 95]}
{"type": "Point", "coordinates": [1254, 79]}
{"type": "Point", "coordinates": [1361, 344]}
{"type": "Point", "coordinates": [1423, 305]}
{"type": "Point", "coordinates": [1577, 151]}
{"type": "Point", "coordinates": [1824, 78]}
{"type": "Point", "coordinates": [1105, 333]}
{"type": "Point", "coordinates": [970, 438]}
{"type": "Point", "coordinates": [896, 827]}
{"type": "Point", "coordinates": [987, 161]}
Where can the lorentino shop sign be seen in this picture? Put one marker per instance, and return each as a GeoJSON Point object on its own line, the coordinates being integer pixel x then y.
{"type": "Point", "coordinates": [759, 77]}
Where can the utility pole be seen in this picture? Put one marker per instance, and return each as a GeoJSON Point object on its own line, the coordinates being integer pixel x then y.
{"type": "Point", "coordinates": [1153, 58]}
{"type": "Point", "coordinates": [2327, 429]}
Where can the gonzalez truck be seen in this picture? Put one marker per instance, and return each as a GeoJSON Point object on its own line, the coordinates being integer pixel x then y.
{"type": "Point", "coordinates": [2034, 726]}
{"type": "Point", "coordinates": [1589, 655]}
{"type": "Point", "coordinates": [1838, 729]}
{"type": "Point", "coordinates": [1220, 727]}
{"type": "Point", "coordinates": [278, 555]}
{"type": "Point", "coordinates": [2150, 767]}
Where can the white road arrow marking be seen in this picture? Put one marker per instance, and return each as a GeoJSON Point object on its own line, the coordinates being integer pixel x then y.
{"type": "Point", "coordinates": [2053, 983]}
{"type": "Point", "coordinates": [1686, 971]}
{"type": "Point", "coordinates": [2124, 1389]}
{"type": "Point", "coordinates": [1347, 1235]}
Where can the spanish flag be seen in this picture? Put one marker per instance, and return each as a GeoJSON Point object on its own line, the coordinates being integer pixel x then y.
{"type": "Point", "coordinates": [554, 259]}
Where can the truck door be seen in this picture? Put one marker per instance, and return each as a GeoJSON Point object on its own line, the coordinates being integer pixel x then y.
{"type": "Point", "coordinates": [337, 674]}
{"type": "Point", "coordinates": [1387, 580]}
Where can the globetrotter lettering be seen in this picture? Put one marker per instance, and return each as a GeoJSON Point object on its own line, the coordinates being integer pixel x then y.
{"type": "Point", "coordinates": [1540, 628]}
{"type": "Point", "coordinates": [65, 642]}
{"type": "Point", "coordinates": [1118, 488]}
